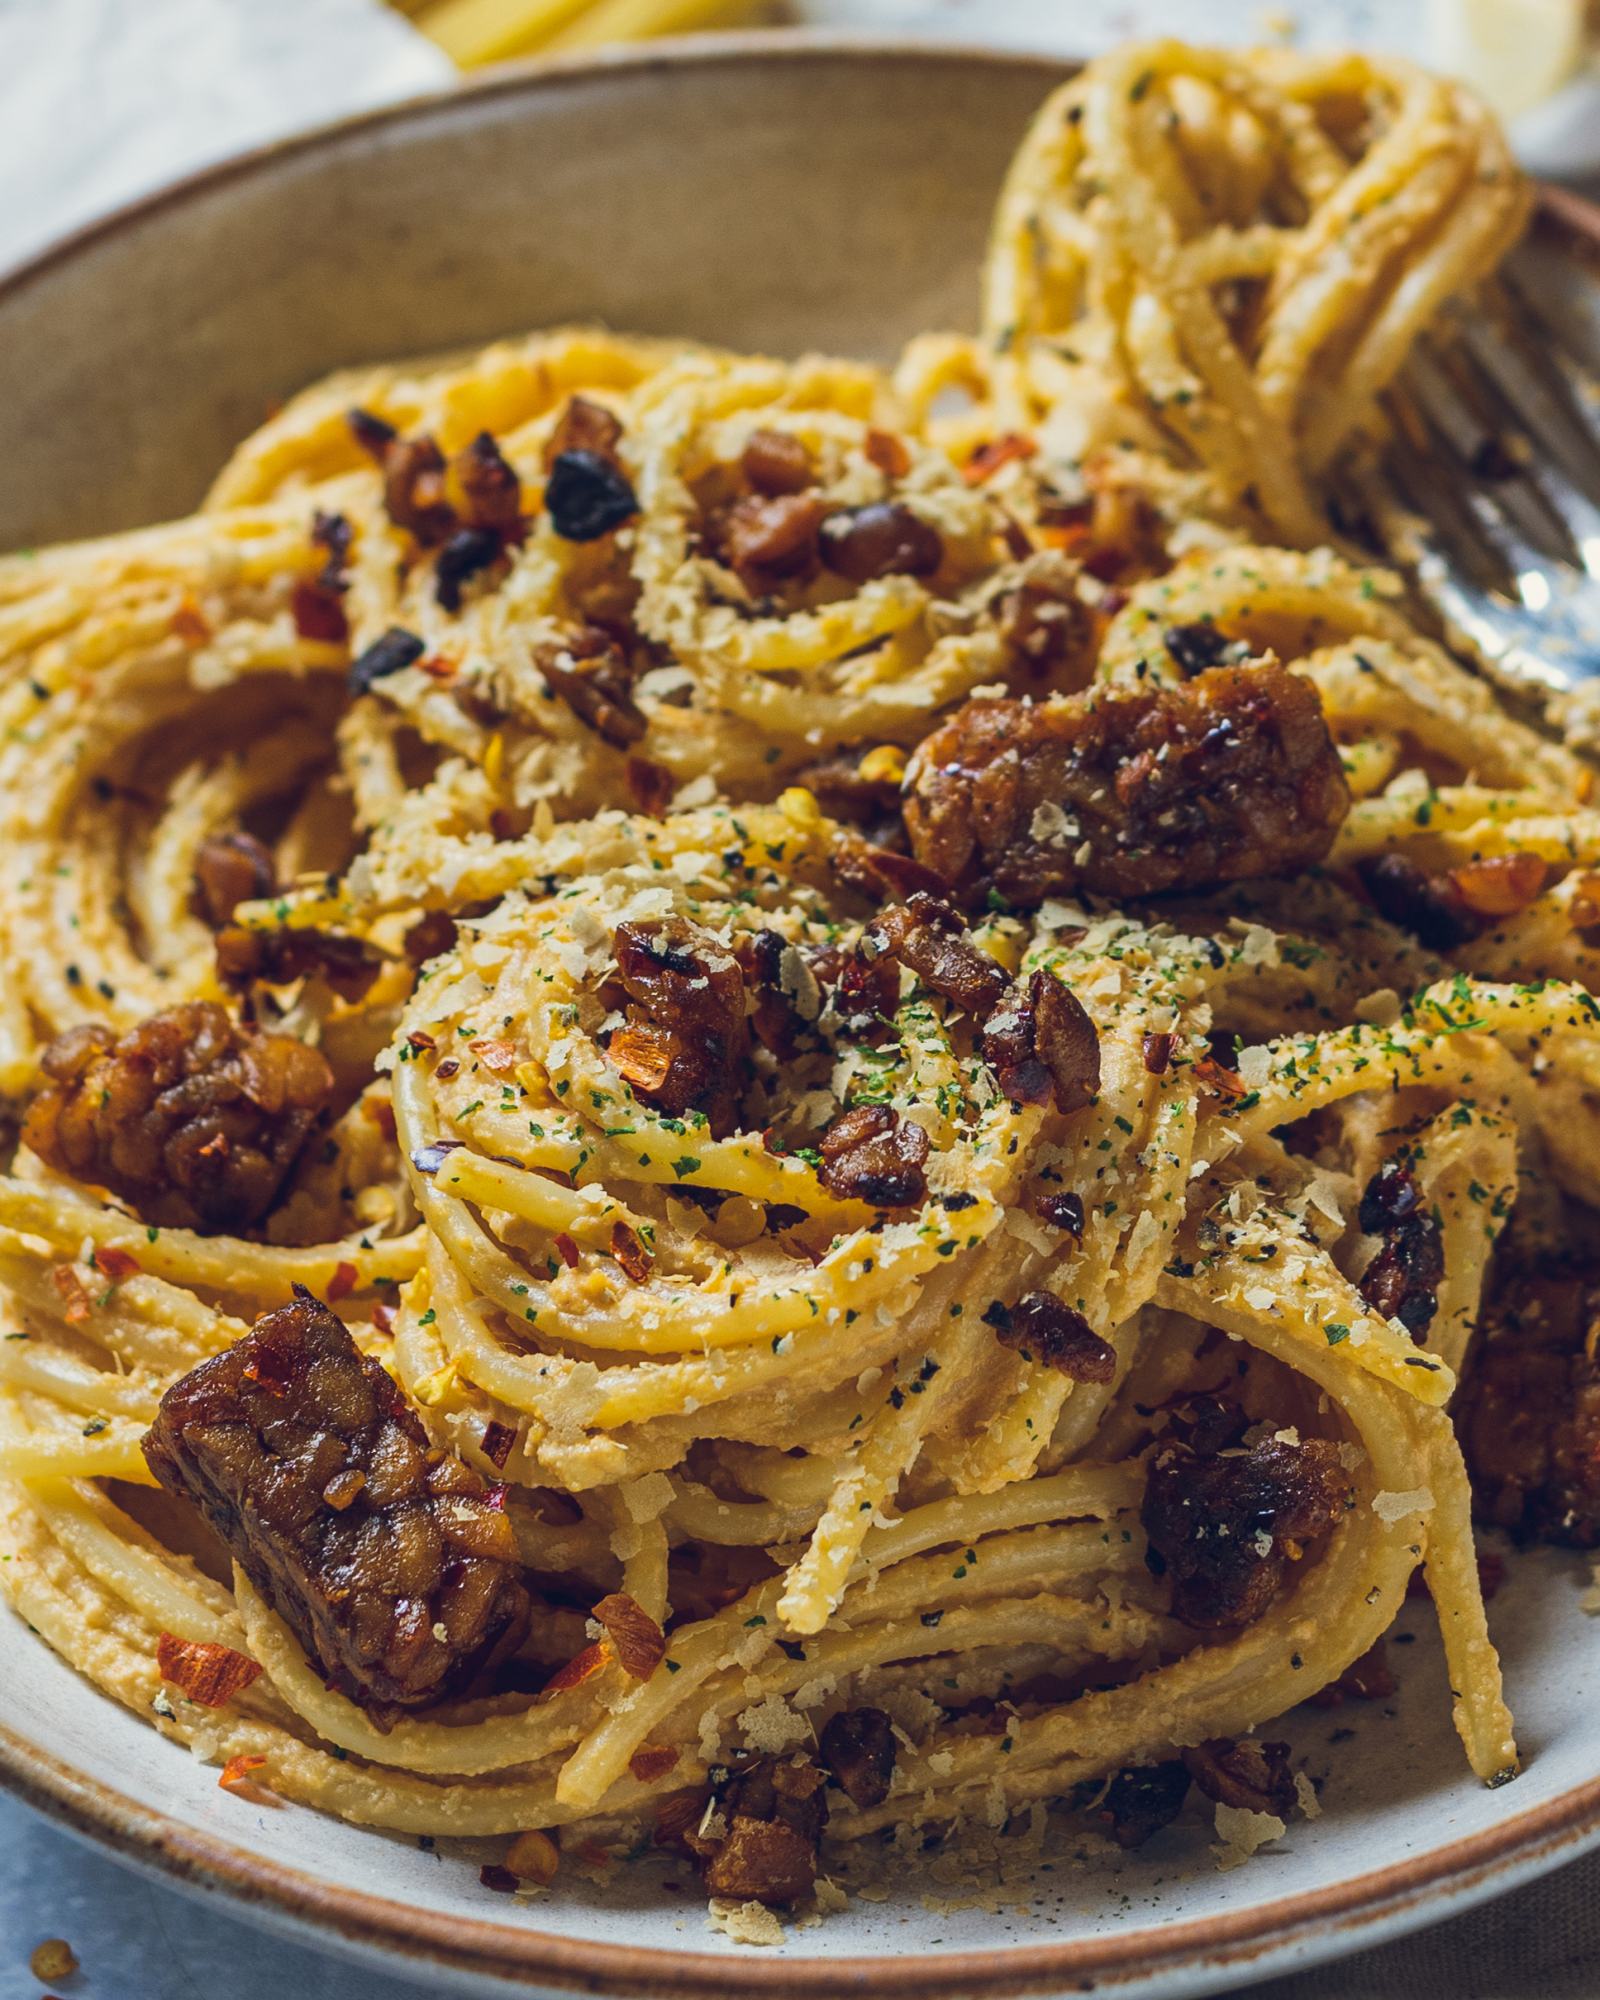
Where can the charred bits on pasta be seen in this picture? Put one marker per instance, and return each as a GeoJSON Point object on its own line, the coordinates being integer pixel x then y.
{"type": "Point", "coordinates": [1044, 1329]}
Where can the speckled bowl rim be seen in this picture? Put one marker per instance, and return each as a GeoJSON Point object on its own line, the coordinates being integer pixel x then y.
{"type": "Point", "coordinates": [1322, 1924]}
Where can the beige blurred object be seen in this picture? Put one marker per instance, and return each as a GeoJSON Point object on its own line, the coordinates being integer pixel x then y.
{"type": "Point", "coordinates": [474, 32]}
{"type": "Point", "coordinates": [1515, 53]}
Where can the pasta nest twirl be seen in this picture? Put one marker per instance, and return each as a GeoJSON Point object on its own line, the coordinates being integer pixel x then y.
{"type": "Point", "coordinates": [1231, 256]}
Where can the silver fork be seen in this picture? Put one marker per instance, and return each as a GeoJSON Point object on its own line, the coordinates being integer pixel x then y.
{"type": "Point", "coordinates": [1495, 457]}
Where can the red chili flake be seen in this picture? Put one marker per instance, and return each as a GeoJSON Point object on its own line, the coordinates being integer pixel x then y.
{"type": "Point", "coordinates": [652, 1761]}
{"type": "Point", "coordinates": [343, 1281]}
{"type": "Point", "coordinates": [640, 1059]}
{"type": "Point", "coordinates": [190, 623]}
{"type": "Point", "coordinates": [1583, 912]}
{"type": "Point", "coordinates": [497, 1056]}
{"type": "Point", "coordinates": [568, 1251]}
{"type": "Point", "coordinates": [1217, 1078]}
{"type": "Point", "coordinates": [629, 1252]}
{"type": "Point", "coordinates": [317, 612]}
{"type": "Point", "coordinates": [383, 1318]}
{"type": "Point", "coordinates": [887, 453]}
{"type": "Point", "coordinates": [592, 1852]}
{"type": "Point", "coordinates": [269, 1369]}
{"type": "Point", "coordinates": [438, 667]}
{"type": "Point", "coordinates": [236, 1778]}
{"type": "Point", "coordinates": [420, 1041]}
{"type": "Point", "coordinates": [501, 1880]}
{"type": "Point", "coordinates": [495, 1497]}
{"type": "Point", "coordinates": [640, 1642]}
{"type": "Point", "coordinates": [580, 1668]}
{"type": "Point", "coordinates": [207, 1673]}
{"type": "Point", "coordinates": [69, 1288]}
{"type": "Point", "coordinates": [116, 1264]}
{"type": "Point", "coordinates": [1157, 1053]}
{"type": "Point", "coordinates": [497, 1441]}
{"type": "Point", "coordinates": [447, 1068]}
{"type": "Point", "coordinates": [1500, 885]}
{"type": "Point", "coordinates": [651, 786]}
{"type": "Point", "coordinates": [987, 460]}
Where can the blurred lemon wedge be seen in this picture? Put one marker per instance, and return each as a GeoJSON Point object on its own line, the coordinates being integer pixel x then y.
{"type": "Point", "coordinates": [1514, 53]}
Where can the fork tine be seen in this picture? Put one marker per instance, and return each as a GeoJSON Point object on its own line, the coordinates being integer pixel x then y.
{"type": "Point", "coordinates": [1527, 359]}
{"type": "Point", "coordinates": [1573, 499]}
{"type": "Point", "coordinates": [1457, 535]}
{"type": "Point", "coordinates": [1469, 417]}
{"type": "Point", "coordinates": [1513, 644]}
{"type": "Point", "coordinates": [1488, 499]}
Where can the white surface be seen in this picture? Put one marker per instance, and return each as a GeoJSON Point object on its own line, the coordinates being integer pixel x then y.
{"type": "Point", "coordinates": [104, 98]}
{"type": "Point", "coordinates": [101, 100]}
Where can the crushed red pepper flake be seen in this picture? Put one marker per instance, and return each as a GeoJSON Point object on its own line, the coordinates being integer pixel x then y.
{"type": "Point", "coordinates": [888, 453]}
{"type": "Point", "coordinates": [567, 1250]}
{"type": "Point", "coordinates": [116, 1264]}
{"type": "Point", "coordinates": [650, 786]}
{"type": "Point", "coordinates": [580, 1668]}
{"type": "Point", "coordinates": [495, 1054]}
{"type": "Point", "coordinates": [653, 1760]}
{"type": "Point", "coordinates": [343, 1281]}
{"type": "Point", "coordinates": [640, 1642]}
{"type": "Point", "coordinates": [987, 460]}
{"type": "Point", "coordinates": [69, 1288]}
{"type": "Point", "coordinates": [189, 623]}
{"type": "Point", "coordinates": [1499, 885]}
{"type": "Point", "coordinates": [629, 1252]}
{"type": "Point", "coordinates": [498, 1441]}
{"type": "Point", "coordinates": [204, 1671]}
{"type": "Point", "coordinates": [1218, 1078]}
{"type": "Point", "coordinates": [237, 1776]}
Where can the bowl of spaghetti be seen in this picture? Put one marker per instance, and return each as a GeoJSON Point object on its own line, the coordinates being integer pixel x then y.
{"type": "Point", "coordinates": [802, 1148]}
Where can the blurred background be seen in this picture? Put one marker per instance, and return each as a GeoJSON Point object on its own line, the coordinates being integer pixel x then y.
{"type": "Point", "coordinates": [104, 100]}
{"type": "Point", "coordinates": [101, 100]}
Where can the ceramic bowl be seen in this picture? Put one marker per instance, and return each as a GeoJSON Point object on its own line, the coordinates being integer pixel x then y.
{"type": "Point", "coordinates": [783, 194]}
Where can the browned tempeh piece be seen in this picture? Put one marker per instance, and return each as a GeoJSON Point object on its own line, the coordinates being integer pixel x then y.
{"type": "Point", "coordinates": [1130, 792]}
{"type": "Point", "coordinates": [389, 1557]}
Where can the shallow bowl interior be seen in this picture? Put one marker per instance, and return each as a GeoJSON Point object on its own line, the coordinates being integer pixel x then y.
{"type": "Point", "coordinates": [784, 198]}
